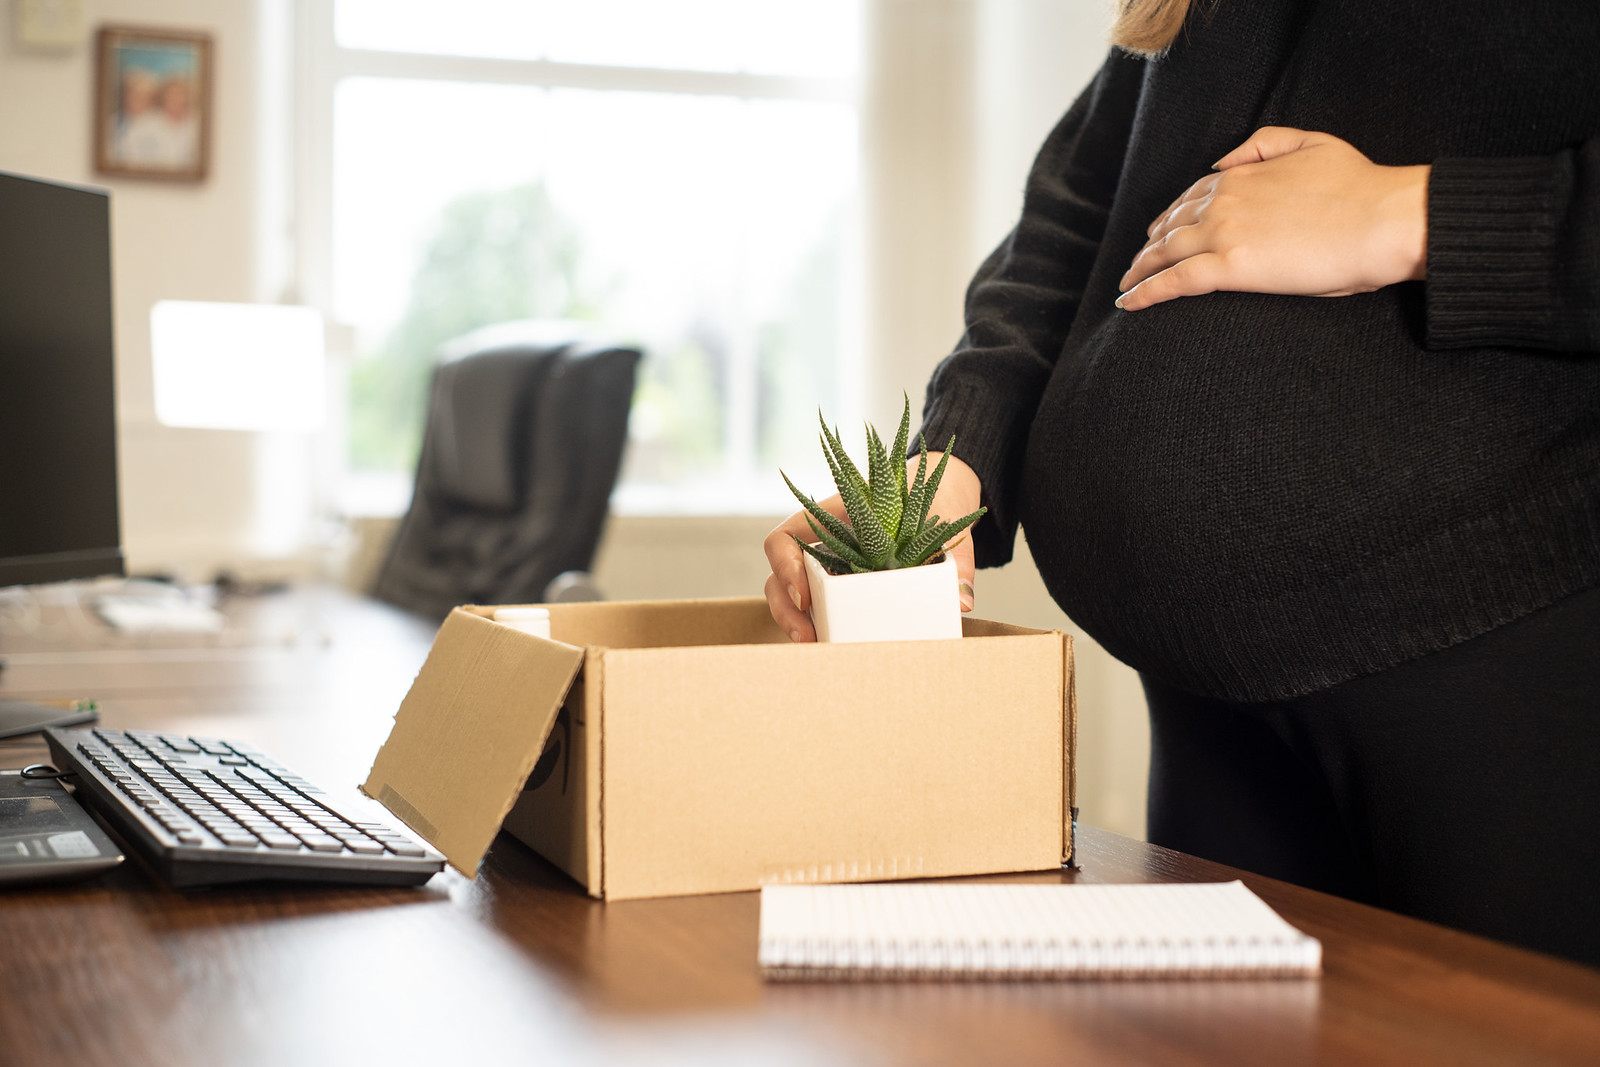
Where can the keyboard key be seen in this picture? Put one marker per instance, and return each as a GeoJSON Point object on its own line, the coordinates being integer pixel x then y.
{"type": "Point", "coordinates": [322, 843]}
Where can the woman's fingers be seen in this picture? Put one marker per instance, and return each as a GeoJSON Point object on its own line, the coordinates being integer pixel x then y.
{"type": "Point", "coordinates": [1291, 212]}
{"type": "Point", "coordinates": [788, 591]}
{"type": "Point", "coordinates": [965, 571]}
{"type": "Point", "coordinates": [794, 622]}
{"type": "Point", "coordinates": [1163, 252]}
{"type": "Point", "coordinates": [1269, 142]}
{"type": "Point", "coordinates": [1187, 203]}
{"type": "Point", "coordinates": [1184, 214]}
{"type": "Point", "coordinates": [1193, 276]}
{"type": "Point", "coordinates": [960, 493]}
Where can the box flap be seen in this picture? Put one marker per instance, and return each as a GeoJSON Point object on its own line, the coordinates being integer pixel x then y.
{"type": "Point", "coordinates": [468, 733]}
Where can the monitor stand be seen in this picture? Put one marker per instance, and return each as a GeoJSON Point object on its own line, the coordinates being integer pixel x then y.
{"type": "Point", "coordinates": [18, 717]}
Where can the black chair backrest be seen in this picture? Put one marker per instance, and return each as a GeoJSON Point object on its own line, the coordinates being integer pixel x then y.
{"type": "Point", "coordinates": [523, 443]}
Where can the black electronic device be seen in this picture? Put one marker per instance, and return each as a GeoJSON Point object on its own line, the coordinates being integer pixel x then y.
{"type": "Point", "coordinates": [58, 446]}
{"type": "Point", "coordinates": [58, 422]}
{"type": "Point", "coordinates": [45, 835]}
{"type": "Point", "coordinates": [207, 812]}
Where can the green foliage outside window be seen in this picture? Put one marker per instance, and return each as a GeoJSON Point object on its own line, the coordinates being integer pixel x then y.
{"type": "Point", "coordinates": [512, 254]}
{"type": "Point", "coordinates": [495, 257]}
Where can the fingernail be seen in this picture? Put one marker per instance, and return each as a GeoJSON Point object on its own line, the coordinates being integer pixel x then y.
{"type": "Point", "coordinates": [794, 595]}
{"type": "Point", "coordinates": [967, 596]}
{"type": "Point", "coordinates": [794, 635]}
{"type": "Point", "coordinates": [1120, 299]}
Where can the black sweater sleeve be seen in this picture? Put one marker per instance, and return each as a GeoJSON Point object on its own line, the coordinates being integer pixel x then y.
{"type": "Point", "coordinates": [1514, 251]}
{"type": "Point", "coordinates": [1021, 303]}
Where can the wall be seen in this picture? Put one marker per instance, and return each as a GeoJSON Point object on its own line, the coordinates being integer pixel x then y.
{"type": "Point", "coordinates": [964, 91]}
{"type": "Point", "coordinates": [191, 499]}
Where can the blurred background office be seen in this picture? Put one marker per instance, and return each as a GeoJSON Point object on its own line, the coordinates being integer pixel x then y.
{"type": "Point", "coordinates": [779, 202]}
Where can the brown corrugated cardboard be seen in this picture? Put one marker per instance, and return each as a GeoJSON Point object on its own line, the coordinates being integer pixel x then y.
{"type": "Point", "coordinates": [467, 734]}
{"type": "Point", "coordinates": [697, 750]}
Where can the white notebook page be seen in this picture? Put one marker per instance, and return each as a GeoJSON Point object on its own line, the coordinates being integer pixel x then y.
{"type": "Point", "coordinates": [1005, 930]}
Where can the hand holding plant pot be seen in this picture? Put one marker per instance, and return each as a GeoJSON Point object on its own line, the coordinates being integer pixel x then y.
{"type": "Point", "coordinates": [869, 559]}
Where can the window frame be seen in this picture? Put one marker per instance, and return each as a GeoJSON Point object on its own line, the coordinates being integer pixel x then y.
{"type": "Point", "coordinates": [323, 63]}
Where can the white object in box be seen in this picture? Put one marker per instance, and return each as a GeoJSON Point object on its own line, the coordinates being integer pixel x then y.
{"type": "Point", "coordinates": [908, 604]}
{"type": "Point", "coordinates": [535, 621]}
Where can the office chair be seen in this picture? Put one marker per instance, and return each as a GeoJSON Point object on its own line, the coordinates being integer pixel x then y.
{"type": "Point", "coordinates": [520, 453]}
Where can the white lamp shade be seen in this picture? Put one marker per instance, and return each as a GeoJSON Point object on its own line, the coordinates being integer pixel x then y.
{"type": "Point", "coordinates": [238, 366]}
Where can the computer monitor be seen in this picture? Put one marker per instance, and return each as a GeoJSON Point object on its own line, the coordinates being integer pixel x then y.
{"type": "Point", "coordinates": [58, 441]}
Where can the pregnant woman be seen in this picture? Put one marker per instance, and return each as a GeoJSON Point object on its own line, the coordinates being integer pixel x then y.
{"type": "Point", "coordinates": [1290, 371]}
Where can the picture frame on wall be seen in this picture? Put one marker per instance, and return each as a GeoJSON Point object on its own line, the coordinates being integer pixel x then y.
{"type": "Point", "coordinates": [152, 104]}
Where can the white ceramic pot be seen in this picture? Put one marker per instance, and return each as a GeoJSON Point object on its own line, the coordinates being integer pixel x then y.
{"type": "Point", "coordinates": [909, 604]}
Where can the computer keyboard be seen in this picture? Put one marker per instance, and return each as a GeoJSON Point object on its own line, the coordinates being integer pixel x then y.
{"type": "Point", "coordinates": [206, 812]}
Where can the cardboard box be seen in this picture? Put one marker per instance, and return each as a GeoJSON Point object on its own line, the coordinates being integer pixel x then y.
{"type": "Point", "coordinates": [661, 748]}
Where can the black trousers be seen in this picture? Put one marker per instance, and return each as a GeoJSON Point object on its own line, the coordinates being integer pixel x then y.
{"type": "Point", "coordinates": [1463, 787]}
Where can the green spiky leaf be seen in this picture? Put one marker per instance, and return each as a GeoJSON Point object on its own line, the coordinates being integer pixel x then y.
{"type": "Point", "coordinates": [830, 563]}
{"type": "Point", "coordinates": [829, 521]}
{"type": "Point", "coordinates": [898, 453]}
{"type": "Point", "coordinates": [929, 542]}
{"type": "Point", "coordinates": [924, 500]}
{"type": "Point", "coordinates": [853, 490]}
{"type": "Point", "coordinates": [922, 466]}
{"type": "Point", "coordinates": [843, 549]}
{"type": "Point", "coordinates": [889, 522]}
{"type": "Point", "coordinates": [887, 498]}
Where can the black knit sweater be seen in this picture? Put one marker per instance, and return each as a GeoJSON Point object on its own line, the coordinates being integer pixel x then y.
{"type": "Point", "coordinates": [1254, 496]}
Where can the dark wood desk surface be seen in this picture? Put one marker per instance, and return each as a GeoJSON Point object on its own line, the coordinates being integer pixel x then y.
{"type": "Point", "coordinates": [521, 966]}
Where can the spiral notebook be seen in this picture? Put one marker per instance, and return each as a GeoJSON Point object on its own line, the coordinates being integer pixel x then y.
{"type": "Point", "coordinates": [1003, 931]}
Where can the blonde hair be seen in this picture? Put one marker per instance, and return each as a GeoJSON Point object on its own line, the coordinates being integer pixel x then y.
{"type": "Point", "coordinates": [1148, 27]}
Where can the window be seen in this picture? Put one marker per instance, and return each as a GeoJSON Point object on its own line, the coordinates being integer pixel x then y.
{"type": "Point", "coordinates": [680, 174]}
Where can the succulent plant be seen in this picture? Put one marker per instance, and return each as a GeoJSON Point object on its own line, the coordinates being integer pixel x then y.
{"type": "Point", "coordinates": [889, 523]}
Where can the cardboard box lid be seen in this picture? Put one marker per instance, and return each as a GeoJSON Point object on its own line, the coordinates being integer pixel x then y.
{"type": "Point", "coordinates": [469, 733]}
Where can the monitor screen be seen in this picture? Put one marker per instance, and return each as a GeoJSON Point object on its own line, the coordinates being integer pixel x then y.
{"type": "Point", "coordinates": [58, 444]}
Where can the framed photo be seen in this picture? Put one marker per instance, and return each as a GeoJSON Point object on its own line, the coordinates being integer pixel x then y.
{"type": "Point", "coordinates": [152, 104]}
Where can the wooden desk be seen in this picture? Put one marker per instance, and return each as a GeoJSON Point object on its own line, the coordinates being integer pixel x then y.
{"type": "Point", "coordinates": [521, 966]}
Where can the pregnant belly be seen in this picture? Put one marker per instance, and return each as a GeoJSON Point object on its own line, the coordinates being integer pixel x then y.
{"type": "Point", "coordinates": [1242, 443]}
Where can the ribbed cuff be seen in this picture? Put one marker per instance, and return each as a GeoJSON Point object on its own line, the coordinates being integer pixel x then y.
{"type": "Point", "coordinates": [990, 441]}
{"type": "Point", "coordinates": [1492, 252]}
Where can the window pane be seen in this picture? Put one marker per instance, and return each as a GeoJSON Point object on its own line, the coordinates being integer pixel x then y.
{"type": "Point", "coordinates": [408, 239]}
{"type": "Point", "coordinates": [818, 38]}
{"type": "Point", "coordinates": [714, 232]}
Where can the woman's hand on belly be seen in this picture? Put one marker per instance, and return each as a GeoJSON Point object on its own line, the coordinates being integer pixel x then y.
{"type": "Point", "coordinates": [1291, 212]}
{"type": "Point", "coordinates": [788, 591]}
